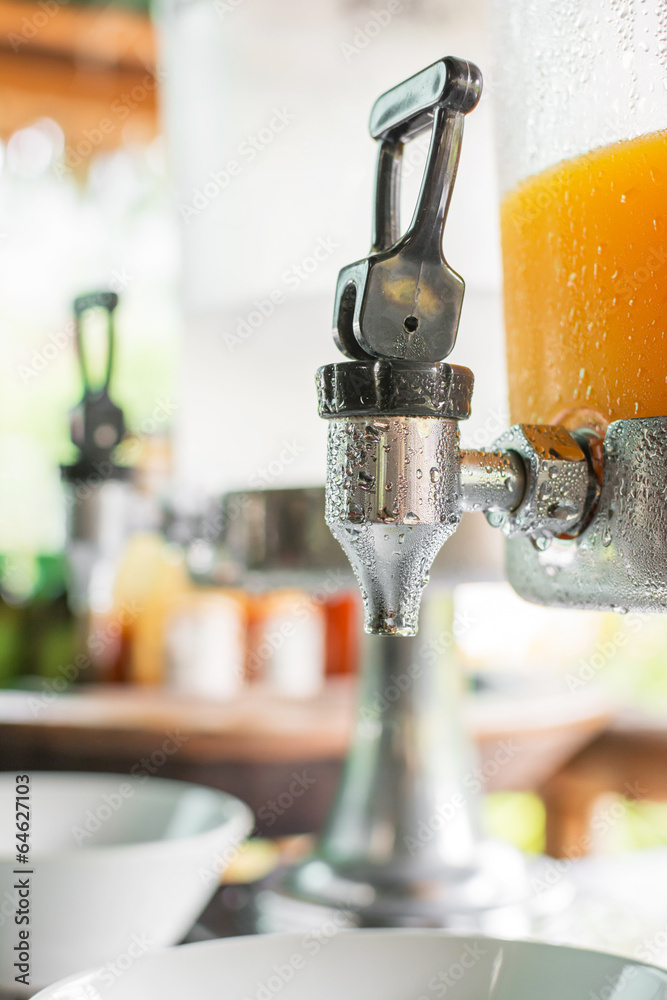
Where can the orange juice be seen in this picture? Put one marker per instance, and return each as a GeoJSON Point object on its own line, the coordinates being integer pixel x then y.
{"type": "Point", "coordinates": [585, 284]}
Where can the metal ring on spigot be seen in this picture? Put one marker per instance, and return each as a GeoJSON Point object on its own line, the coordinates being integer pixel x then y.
{"type": "Point", "coordinates": [399, 388]}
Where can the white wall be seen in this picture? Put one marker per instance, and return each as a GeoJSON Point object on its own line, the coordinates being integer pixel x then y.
{"type": "Point", "coordinates": [230, 66]}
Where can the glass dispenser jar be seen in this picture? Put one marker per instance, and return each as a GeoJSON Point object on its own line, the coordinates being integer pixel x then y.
{"type": "Point", "coordinates": [581, 92]}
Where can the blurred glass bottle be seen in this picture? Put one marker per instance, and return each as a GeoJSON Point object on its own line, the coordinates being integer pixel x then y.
{"type": "Point", "coordinates": [36, 627]}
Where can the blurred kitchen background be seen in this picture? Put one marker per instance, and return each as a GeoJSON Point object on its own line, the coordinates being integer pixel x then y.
{"type": "Point", "coordinates": [209, 162]}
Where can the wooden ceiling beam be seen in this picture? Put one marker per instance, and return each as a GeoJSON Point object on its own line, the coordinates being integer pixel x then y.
{"type": "Point", "coordinates": [90, 70]}
{"type": "Point", "coordinates": [109, 35]}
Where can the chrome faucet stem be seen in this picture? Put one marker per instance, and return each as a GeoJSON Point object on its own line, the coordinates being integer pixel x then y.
{"type": "Point", "coordinates": [491, 480]}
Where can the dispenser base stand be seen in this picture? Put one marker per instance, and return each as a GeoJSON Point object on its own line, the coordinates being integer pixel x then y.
{"type": "Point", "coordinates": [492, 897]}
{"type": "Point", "coordinates": [403, 845]}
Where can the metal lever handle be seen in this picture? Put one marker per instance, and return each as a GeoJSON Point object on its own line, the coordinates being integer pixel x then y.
{"type": "Point", "coordinates": [97, 424]}
{"type": "Point", "coordinates": [403, 301]}
{"type": "Point", "coordinates": [93, 300]}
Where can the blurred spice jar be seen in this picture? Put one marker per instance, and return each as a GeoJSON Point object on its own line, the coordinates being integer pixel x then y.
{"type": "Point", "coordinates": [296, 639]}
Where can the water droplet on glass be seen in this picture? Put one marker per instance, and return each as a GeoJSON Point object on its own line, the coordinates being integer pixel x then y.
{"type": "Point", "coordinates": [355, 512]}
{"type": "Point", "coordinates": [435, 474]}
{"type": "Point", "coordinates": [411, 518]}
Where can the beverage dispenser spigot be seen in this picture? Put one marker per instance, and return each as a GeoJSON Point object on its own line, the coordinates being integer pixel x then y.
{"type": "Point", "coordinates": [98, 491]}
{"type": "Point", "coordinates": [397, 480]}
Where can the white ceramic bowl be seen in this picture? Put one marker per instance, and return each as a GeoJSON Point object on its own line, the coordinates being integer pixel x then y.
{"type": "Point", "coordinates": [120, 865]}
{"type": "Point", "coordinates": [371, 965]}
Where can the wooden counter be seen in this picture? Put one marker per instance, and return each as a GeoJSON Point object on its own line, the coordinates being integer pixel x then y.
{"type": "Point", "coordinates": [253, 744]}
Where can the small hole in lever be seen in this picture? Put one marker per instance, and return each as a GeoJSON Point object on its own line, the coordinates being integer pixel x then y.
{"type": "Point", "coordinates": [410, 324]}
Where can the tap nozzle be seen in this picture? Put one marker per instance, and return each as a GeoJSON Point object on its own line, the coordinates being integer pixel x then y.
{"type": "Point", "coordinates": [393, 476]}
{"type": "Point", "coordinates": [398, 482]}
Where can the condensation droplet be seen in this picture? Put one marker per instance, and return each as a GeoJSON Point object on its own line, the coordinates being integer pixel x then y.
{"type": "Point", "coordinates": [355, 513]}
